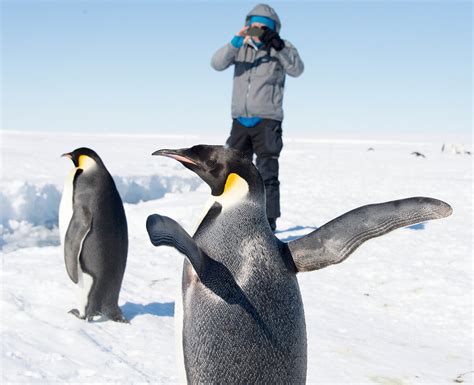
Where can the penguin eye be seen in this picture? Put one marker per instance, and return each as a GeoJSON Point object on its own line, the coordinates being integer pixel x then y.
{"type": "Point", "coordinates": [211, 163]}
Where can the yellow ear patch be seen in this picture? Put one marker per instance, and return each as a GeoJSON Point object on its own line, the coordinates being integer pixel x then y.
{"type": "Point", "coordinates": [232, 181]}
{"type": "Point", "coordinates": [235, 189]}
{"type": "Point", "coordinates": [85, 162]}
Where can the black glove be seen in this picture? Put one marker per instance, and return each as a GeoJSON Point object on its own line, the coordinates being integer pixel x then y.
{"type": "Point", "coordinates": [271, 38]}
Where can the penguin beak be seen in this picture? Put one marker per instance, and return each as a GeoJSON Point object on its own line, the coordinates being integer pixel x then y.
{"type": "Point", "coordinates": [179, 155]}
{"type": "Point", "coordinates": [67, 155]}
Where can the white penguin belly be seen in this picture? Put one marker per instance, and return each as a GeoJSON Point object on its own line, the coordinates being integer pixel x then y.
{"type": "Point", "coordinates": [65, 207]}
{"type": "Point", "coordinates": [178, 330]}
{"type": "Point", "coordinates": [85, 280]}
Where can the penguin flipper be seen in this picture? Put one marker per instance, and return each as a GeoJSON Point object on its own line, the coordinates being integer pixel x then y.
{"type": "Point", "coordinates": [76, 233]}
{"type": "Point", "coordinates": [164, 231]}
{"type": "Point", "coordinates": [337, 239]}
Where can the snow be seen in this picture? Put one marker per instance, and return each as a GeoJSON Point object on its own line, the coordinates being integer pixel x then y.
{"type": "Point", "coordinates": [398, 311]}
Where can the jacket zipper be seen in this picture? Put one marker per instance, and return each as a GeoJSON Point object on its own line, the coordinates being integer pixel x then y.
{"type": "Point", "coordinates": [246, 97]}
{"type": "Point", "coordinates": [248, 84]}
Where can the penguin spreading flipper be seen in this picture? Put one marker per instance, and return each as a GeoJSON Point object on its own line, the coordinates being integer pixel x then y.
{"type": "Point", "coordinates": [94, 236]}
{"type": "Point", "coordinates": [339, 238]}
{"type": "Point", "coordinates": [243, 318]}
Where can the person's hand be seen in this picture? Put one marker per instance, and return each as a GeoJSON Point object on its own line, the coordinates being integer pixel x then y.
{"type": "Point", "coordinates": [243, 31]}
{"type": "Point", "coordinates": [271, 38]}
{"type": "Point", "coordinates": [238, 39]}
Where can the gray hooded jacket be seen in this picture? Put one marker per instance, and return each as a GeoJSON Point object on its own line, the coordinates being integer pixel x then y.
{"type": "Point", "coordinates": [259, 76]}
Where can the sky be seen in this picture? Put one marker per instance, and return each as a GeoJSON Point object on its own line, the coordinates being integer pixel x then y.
{"type": "Point", "coordinates": [144, 66]}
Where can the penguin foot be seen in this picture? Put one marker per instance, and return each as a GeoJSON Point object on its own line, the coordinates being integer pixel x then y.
{"type": "Point", "coordinates": [76, 313]}
{"type": "Point", "coordinates": [121, 319]}
{"type": "Point", "coordinates": [90, 317]}
{"type": "Point", "coordinates": [118, 317]}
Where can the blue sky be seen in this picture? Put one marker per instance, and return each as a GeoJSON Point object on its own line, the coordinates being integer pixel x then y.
{"type": "Point", "coordinates": [143, 66]}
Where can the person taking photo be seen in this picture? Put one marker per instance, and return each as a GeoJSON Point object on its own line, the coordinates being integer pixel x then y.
{"type": "Point", "coordinates": [261, 60]}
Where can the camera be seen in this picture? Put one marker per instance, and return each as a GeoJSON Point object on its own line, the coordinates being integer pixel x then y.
{"type": "Point", "coordinates": [255, 32]}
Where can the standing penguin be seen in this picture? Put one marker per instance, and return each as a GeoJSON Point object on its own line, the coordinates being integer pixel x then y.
{"type": "Point", "coordinates": [93, 231]}
{"type": "Point", "coordinates": [243, 318]}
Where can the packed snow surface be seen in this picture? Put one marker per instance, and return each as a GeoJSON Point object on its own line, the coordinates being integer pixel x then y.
{"type": "Point", "coordinates": [398, 311]}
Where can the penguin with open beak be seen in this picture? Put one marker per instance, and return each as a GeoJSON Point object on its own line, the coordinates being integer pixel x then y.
{"type": "Point", "coordinates": [241, 312]}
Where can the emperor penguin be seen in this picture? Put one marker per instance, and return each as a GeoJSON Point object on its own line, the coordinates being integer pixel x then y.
{"type": "Point", "coordinates": [242, 312]}
{"type": "Point", "coordinates": [93, 230]}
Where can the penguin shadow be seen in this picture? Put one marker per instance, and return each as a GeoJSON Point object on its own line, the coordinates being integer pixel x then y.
{"type": "Point", "coordinates": [418, 226]}
{"type": "Point", "coordinates": [130, 310]}
{"type": "Point", "coordinates": [295, 228]}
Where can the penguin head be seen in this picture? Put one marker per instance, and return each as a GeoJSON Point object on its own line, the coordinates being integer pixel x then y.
{"type": "Point", "coordinates": [84, 158]}
{"type": "Point", "coordinates": [222, 168]}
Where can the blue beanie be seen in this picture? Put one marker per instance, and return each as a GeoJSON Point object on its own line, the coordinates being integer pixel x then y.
{"type": "Point", "coordinates": [264, 20]}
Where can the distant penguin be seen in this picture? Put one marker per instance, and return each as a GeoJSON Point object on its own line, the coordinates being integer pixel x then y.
{"type": "Point", "coordinates": [94, 237]}
{"type": "Point", "coordinates": [243, 319]}
{"type": "Point", "coordinates": [417, 154]}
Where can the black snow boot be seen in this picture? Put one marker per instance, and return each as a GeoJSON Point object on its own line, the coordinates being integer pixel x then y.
{"type": "Point", "coordinates": [272, 222]}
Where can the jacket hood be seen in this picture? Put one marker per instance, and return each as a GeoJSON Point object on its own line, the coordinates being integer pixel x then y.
{"type": "Point", "coordinates": [266, 11]}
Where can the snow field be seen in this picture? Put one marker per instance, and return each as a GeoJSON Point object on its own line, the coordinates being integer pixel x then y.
{"type": "Point", "coordinates": [398, 311]}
